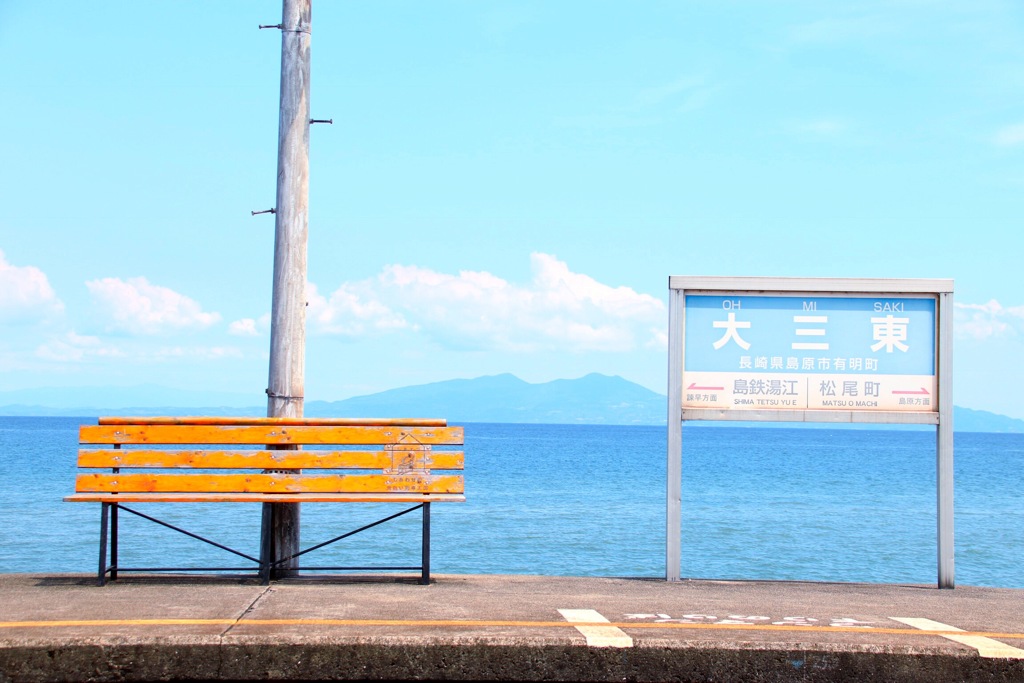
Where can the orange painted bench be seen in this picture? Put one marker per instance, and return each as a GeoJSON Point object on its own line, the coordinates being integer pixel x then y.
{"type": "Point", "coordinates": [124, 460]}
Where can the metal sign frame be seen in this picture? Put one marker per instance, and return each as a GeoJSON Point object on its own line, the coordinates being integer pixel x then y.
{"type": "Point", "coordinates": [942, 418]}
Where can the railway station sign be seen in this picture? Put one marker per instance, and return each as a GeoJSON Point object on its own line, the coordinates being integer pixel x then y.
{"type": "Point", "coordinates": [810, 352]}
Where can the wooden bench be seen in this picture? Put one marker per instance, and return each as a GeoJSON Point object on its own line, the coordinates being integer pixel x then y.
{"type": "Point", "coordinates": [264, 460]}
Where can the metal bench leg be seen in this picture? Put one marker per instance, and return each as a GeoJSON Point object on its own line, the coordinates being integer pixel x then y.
{"type": "Point", "coordinates": [113, 541]}
{"type": "Point", "coordinates": [101, 577]}
{"type": "Point", "coordinates": [425, 567]}
{"type": "Point", "coordinates": [266, 543]}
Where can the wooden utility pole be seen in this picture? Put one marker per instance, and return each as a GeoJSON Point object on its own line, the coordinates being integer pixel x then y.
{"type": "Point", "coordinates": [288, 313]}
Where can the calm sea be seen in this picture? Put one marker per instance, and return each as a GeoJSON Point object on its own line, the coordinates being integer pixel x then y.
{"type": "Point", "coordinates": [758, 503]}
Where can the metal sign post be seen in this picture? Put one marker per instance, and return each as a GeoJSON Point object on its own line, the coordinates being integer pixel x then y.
{"type": "Point", "coordinates": [811, 350]}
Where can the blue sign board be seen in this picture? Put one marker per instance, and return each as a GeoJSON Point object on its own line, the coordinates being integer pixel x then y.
{"type": "Point", "coordinates": [748, 351]}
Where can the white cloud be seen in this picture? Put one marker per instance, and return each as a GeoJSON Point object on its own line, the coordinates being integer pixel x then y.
{"type": "Point", "coordinates": [658, 340]}
{"type": "Point", "coordinates": [138, 307]}
{"type": "Point", "coordinates": [250, 327]}
{"type": "Point", "coordinates": [73, 347]}
{"type": "Point", "coordinates": [352, 310]}
{"type": "Point", "coordinates": [25, 293]}
{"type": "Point", "coordinates": [984, 321]}
{"type": "Point", "coordinates": [246, 327]}
{"type": "Point", "coordinates": [1009, 136]}
{"type": "Point", "coordinates": [557, 310]}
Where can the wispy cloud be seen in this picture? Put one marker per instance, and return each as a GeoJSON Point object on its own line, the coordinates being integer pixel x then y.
{"type": "Point", "coordinates": [841, 30]}
{"type": "Point", "coordinates": [830, 130]}
{"type": "Point", "coordinates": [502, 21]}
{"type": "Point", "coordinates": [682, 95]}
{"type": "Point", "coordinates": [137, 307]}
{"type": "Point", "coordinates": [172, 353]}
{"type": "Point", "coordinates": [988, 320]}
{"type": "Point", "coordinates": [25, 293]}
{"type": "Point", "coordinates": [250, 327]}
{"type": "Point", "coordinates": [72, 347]}
{"type": "Point", "coordinates": [824, 127]}
{"type": "Point", "coordinates": [1009, 136]}
{"type": "Point", "coordinates": [651, 105]}
{"type": "Point", "coordinates": [557, 310]}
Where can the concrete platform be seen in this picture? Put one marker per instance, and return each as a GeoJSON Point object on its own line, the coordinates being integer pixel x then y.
{"type": "Point", "coordinates": [512, 628]}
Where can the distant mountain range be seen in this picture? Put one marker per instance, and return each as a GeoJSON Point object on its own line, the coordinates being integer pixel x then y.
{"type": "Point", "coordinates": [593, 399]}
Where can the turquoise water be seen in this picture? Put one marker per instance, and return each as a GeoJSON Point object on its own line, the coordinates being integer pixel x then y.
{"type": "Point", "coordinates": [758, 503]}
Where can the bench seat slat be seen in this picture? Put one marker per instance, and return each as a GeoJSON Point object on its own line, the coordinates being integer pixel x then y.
{"type": "Point", "coordinates": [265, 498]}
{"type": "Point", "coordinates": [229, 459]}
{"type": "Point", "coordinates": [268, 483]}
{"type": "Point", "coordinates": [268, 434]}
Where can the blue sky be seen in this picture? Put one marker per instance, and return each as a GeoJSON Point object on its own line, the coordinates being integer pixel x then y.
{"type": "Point", "coordinates": [507, 186]}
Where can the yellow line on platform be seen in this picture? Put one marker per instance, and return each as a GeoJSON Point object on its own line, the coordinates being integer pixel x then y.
{"type": "Point", "coordinates": [495, 623]}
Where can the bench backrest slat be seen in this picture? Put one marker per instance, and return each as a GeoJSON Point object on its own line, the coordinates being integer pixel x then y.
{"type": "Point", "coordinates": [297, 421]}
{"type": "Point", "coordinates": [268, 434]}
{"type": "Point", "coordinates": [401, 457]}
{"type": "Point", "coordinates": [269, 483]}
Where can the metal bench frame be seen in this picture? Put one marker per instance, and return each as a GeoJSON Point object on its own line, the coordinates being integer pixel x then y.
{"type": "Point", "coordinates": [267, 569]}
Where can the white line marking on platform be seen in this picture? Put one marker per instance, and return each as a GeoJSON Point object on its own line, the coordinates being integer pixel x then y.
{"type": "Point", "coordinates": [986, 647]}
{"type": "Point", "coordinates": [596, 635]}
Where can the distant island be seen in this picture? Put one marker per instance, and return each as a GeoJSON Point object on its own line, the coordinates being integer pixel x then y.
{"type": "Point", "coordinates": [592, 399]}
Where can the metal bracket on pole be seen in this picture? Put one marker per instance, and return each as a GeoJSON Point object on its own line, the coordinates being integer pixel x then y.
{"type": "Point", "coordinates": [301, 28]}
{"type": "Point", "coordinates": [271, 394]}
{"type": "Point", "coordinates": [257, 213]}
{"type": "Point", "coordinates": [331, 121]}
